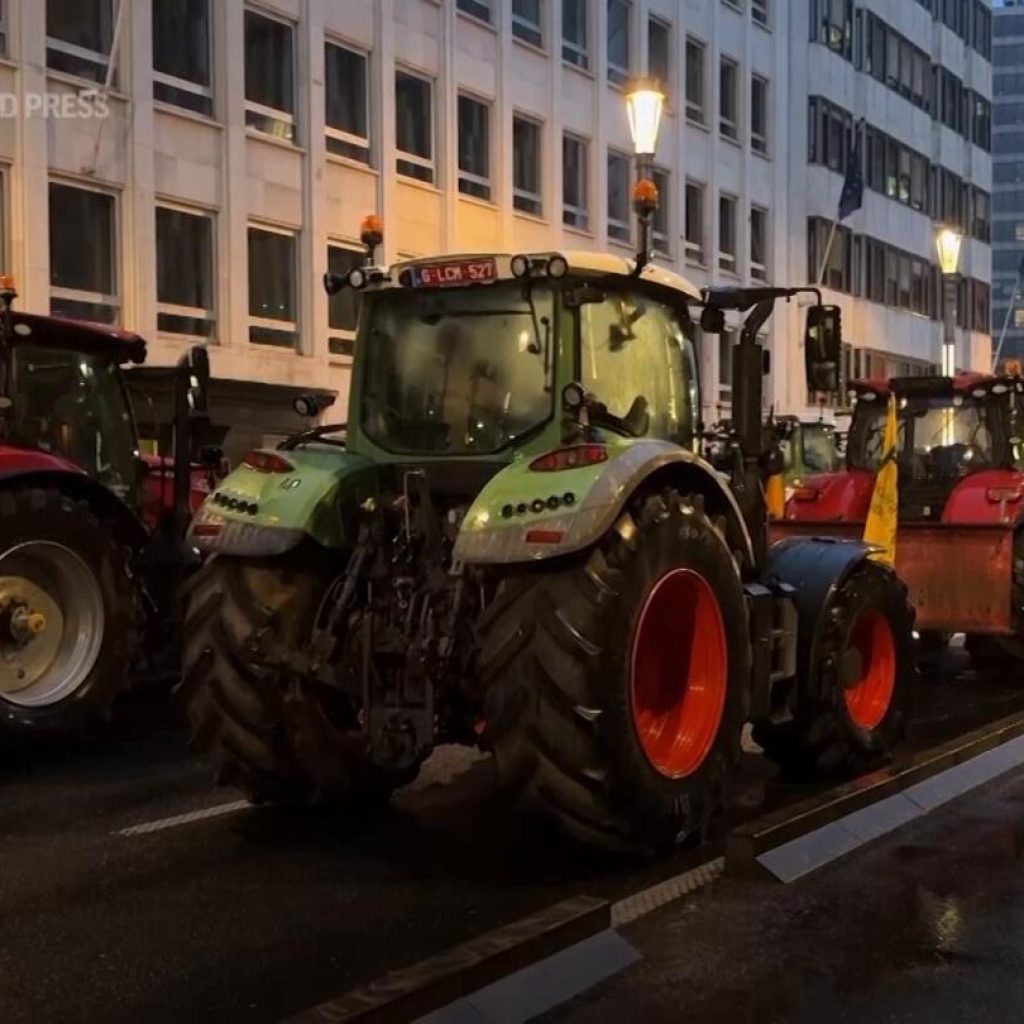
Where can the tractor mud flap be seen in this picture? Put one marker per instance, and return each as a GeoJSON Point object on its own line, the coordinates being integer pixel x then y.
{"type": "Point", "coordinates": [813, 567]}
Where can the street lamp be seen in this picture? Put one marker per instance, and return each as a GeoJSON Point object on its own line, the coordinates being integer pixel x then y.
{"type": "Point", "coordinates": [948, 242]}
{"type": "Point", "coordinates": [645, 100]}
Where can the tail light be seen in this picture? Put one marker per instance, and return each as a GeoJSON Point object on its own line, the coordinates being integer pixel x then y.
{"type": "Point", "coordinates": [806, 493]}
{"type": "Point", "coordinates": [267, 462]}
{"type": "Point", "coordinates": [207, 529]}
{"type": "Point", "coordinates": [570, 458]}
{"type": "Point", "coordinates": [544, 536]}
{"type": "Point", "coordinates": [997, 495]}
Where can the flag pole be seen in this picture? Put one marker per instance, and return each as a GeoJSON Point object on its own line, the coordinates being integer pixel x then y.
{"type": "Point", "coordinates": [828, 251]}
{"type": "Point", "coordinates": [1009, 313]}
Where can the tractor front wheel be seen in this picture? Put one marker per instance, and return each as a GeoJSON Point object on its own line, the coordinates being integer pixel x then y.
{"type": "Point", "coordinates": [69, 613]}
{"type": "Point", "coordinates": [276, 736]}
{"type": "Point", "coordinates": [852, 704]}
{"type": "Point", "coordinates": [616, 683]}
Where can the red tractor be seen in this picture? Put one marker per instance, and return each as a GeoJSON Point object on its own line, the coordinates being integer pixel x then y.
{"type": "Point", "coordinates": [91, 549]}
{"type": "Point", "coordinates": [960, 541]}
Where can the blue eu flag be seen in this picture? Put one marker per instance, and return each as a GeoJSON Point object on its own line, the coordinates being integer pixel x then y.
{"type": "Point", "coordinates": [852, 197]}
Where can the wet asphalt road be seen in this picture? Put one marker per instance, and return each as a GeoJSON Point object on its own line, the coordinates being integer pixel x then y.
{"type": "Point", "coordinates": [256, 914]}
{"type": "Point", "coordinates": [927, 926]}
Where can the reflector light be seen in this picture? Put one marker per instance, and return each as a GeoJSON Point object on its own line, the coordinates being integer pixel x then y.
{"type": "Point", "coordinates": [207, 529]}
{"type": "Point", "coordinates": [544, 536]}
{"type": "Point", "coordinates": [267, 462]}
{"type": "Point", "coordinates": [570, 458]}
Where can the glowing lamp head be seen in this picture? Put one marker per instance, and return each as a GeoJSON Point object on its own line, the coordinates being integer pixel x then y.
{"type": "Point", "coordinates": [948, 241]}
{"type": "Point", "coordinates": [645, 101]}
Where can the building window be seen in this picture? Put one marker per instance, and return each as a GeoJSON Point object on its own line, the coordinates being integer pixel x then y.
{"type": "Point", "coordinates": [348, 103]}
{"type": "Point", "coordinates": [896, 171]}
{"type": "Point", "coordinates": [661, 232]}
{"type": "Point", "coordinates": [526, 21]}
{"type": "Point", "coordinates": [695, 251]}
{"type": "Point", "coordinates": [896, 62]}
{"type": "Point", "coordinates": [414, 126]}
{"type": "Point", "coordinates": [618, 41]}
{"type": "Point", "coordinates": [575, 208]}
{"type": "Point", "coordinates": [759, 11]}
{"type": "Point", "coordinates": [726, 340]}
{"type": "Point", "coordinates": [575, 34]}
{"type": "Point", "coordinates": [758, 243]}
{"type": "Point", "coordinates": [182, 54]}
{"type": "Point", "coordinates": [727, 233]}
{"type": "Point", "coordinates": [526, 166]}
{"type": "Point", "coordinates": [343, 307]}
{"type": "Point", "coordinates": [981, 215]}
{"type": "Point", "coordinates": [476, 8]}
{"type": "Point", "coordinates": [839, 273]}
{"type": "Point", "coordinates": [3, 28]}
{"type": "Point", "coordinates": [830, 134]}
{"type": "Point", "coordinates": [695, 81]}
{"type": "Point", "coordinates": [728, 121]}
{"type": "Point", "coordinates": [79, 35]}
{"type": "Point", "coordinates": [83, 254]}
{"type": "Point", "coordinates": [981, 123]}
{"type": "Point", "coordinates": [832, 24]}
{"type": "Point", "coordinates": [273, 296]}
{"type": "Point", "coordinates": [659, 51]}
{"type": "Point", "coordinates": [474, 148]}
{"type": "Point", "coordinates": [184, 273]}
{"type": "Point", "coordinates": [619, 226]}
{"type": "Point", "coordinates": [759, 114]}
{"type": "Point", "coordinates": [269, 76]}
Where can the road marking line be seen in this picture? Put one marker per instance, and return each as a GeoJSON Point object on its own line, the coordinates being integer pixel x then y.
{"type": "Point", "coordinates": [184, 819]}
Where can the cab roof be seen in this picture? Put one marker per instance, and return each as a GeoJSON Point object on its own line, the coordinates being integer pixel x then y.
{"type": "Point", "coordinates": [79, 336]}
{"type": "Point", "coordinates": [930, 385]}
{"type": "Point", "coordinates": [580, 261]}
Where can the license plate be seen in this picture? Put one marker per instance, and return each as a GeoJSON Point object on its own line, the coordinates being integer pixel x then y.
{"type": "Point", "coordinates": [440, 275]}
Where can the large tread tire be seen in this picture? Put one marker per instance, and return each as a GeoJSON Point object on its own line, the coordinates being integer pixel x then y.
{"type": "Point", "coordinates": [278, 738]}
{"type": "Point", "coordinates": [823, 739]}
{"type": "Point", "coordinates": [30, 514]}
{"type": "Point", "coordinates": [555, 665]}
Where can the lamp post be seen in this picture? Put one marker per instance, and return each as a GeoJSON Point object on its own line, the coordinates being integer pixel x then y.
{"type": "Point", "coordinates": [645, 101]}
{"type": "Point", "coordinates": [948, 242]}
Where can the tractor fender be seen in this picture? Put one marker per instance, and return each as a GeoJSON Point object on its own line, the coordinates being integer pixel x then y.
{"type": "Point", "coordinates": [810, 570]}
{"type": "Point", "coordinates": [313, 491]}
{"type": "Point", "coordinates": [552, 526]}
{"type": "Point", "coordinates": [975, 499]}
{"type": "Point", "coordinates": [70, 480]}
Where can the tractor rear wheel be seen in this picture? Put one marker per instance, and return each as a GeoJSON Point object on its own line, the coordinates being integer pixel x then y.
{"type": "Point", "coordinates": [616, 682]}
{"type": "Point", "coordinates": [69, 613]}
{"type": "Point", "coordinates": [277, 737]}
{"type": "Point", "coordinates": [851, 707]}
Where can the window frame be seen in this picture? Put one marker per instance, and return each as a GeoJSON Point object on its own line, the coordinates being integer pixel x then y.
{"type": "Point", "coordinates": [401, 155]}
{"type": "Point", "coordinates": [577, 217]}
{"type": "Point", "coordinates": [339, 135]}
{"type": "Point", "coordinates": [696, 113]}
{"type": "Point", "coordinates": [344, 336]}
{"type": "Point", "coordinates": [189, 312]}
{"type": "Point", "coordinates": [619, 229]}
{"type": "Point", "coordinates": [726, 261]}
{"type": "Point", "coordinates": [470, 178]}
{"type": "Point", "coordinates": [95, 57]}
{"type": "Point", "coordinates": [186, 85]}
{"type": "Point", "coordinates": [113, 301]}
{"type": "Point", "coordinates": [661, 238]}
{"type": "Point", "coordinates": [531, 28]}
{"type": "Point", "coordinates": [473, 8]}
{"type": "Point", "coordinates": [729, 127]}
{"type": "Point", "coordinates": [696, 250]}
{"type": "Point", "coordinates": [668, 28]}
{"type": "Point", "coordinates": [760, 13]}
{"type": "Point", "coordinates": [272, 114]}
{"type": "Point", "coordinates": [579, 51]}
{"type": "Point", "coordinates": [269, 323]}
{"type": "Point", "coordinates": [759, 271]}
{"type": "Point", "coordinates": [759, 140]}
{"type": "Point", "coordinates": [617, 74]}
{"type": "Point", "coordinates": [521, 195]}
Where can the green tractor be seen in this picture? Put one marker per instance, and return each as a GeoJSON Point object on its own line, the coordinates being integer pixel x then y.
{"type": "Point", "coordinates": [515, 544]}
{"type": "Point", "coordinates": [808, 449]}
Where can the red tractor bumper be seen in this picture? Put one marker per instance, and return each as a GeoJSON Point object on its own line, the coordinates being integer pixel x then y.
{"type": "Point", "coordinates": [959, 575]}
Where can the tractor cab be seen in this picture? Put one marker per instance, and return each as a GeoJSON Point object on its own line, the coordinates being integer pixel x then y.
{"type": "Point", "coordinates": [808, 448]}
{"type": "Point", "coordinates": [71, 400]}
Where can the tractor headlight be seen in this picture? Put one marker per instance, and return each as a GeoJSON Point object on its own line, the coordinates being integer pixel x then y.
{"type": "Point", "coordinates": [357, 279]}
{"type": "Point", "coordinates": [558, 267]}
{"type": "Point", "coordinates": [520, 265]}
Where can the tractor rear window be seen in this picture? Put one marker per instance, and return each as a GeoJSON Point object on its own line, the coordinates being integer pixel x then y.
{"type": "Point", "coordinates": [458, 371]}
{"type": "Point", "coordinates": [951, 437]}
{"type": "Point", "coordinates": [74, 405]}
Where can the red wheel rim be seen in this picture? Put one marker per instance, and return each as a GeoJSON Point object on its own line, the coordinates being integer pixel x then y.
{"type": "Point", "coordinates": [868, 698]}
{"type": "Point", "coordinates": [678, 670]}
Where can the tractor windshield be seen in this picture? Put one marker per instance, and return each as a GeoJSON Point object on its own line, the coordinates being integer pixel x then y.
{"type": "Point", "coordinates": [820, 452]}
{"type": "Point", "coordinates": [457, 371]}
{"type": "Point", "coordinates": [953, 436]}
{"type": "Point", "coordinates": [74, 405]}
{"type": "Point", "coordinates": [634, 347]}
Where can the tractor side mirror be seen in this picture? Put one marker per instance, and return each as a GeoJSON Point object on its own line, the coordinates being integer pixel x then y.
{"type": "Point", "coordinates": [823, 347]}
{"type": "Point", "coordinates": [196, 363]}
{"type": "Point", "coordinates": [211, 457]}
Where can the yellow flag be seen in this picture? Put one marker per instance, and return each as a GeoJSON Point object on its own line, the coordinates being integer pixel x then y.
{"type": "Point", "coordinates": [883, 516]}
{"type": "Point", "coordinates": [775, 496]}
